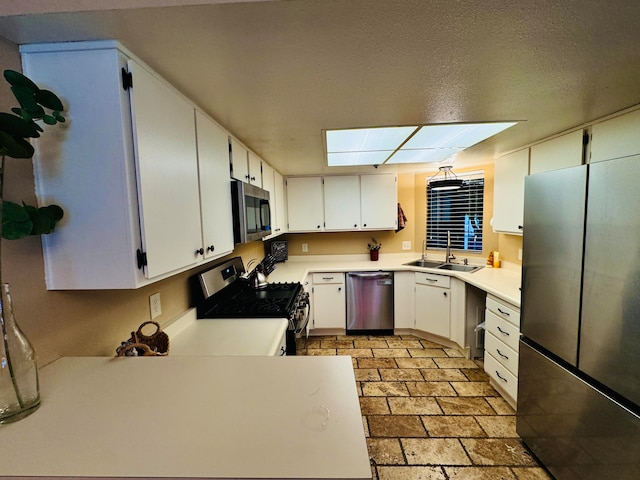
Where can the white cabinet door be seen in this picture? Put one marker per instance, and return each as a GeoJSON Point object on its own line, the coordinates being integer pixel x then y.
{"type": "Point", "coordinates": [215, 188]}
{"type": "Point", "coordinates": [239, 159]}
{"type": "Point", "coordinates": [329, 301]}
{"type": "Point", "coordinates": [508, 191]}
{"type": "Point", "coordinates": [305, 204]}
{"type": "Point", "coordinates": [280, 208]}
{"type": "Point", "coordinates": [165, 146]}
{"type": "Point", "coordinates": [342, 202]}
{"type": "Point", "coordinates": [255, 170]}
{"type": "Point", "coordinates": [379, 201]}
{"type": "Point", "coordinates": [616, 137]}
{"type": "Point", "coordinates": [433, 309]}
{"type": "Point", "coordinates": [404, 300]}
{"type": "Point", "coordinates": [561, 152]}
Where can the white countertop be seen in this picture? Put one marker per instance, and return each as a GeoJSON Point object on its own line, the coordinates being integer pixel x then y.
{"type": "Point", "coordinates": [189, 335]}
{"type": "Point", "coordinates": [197, 417]}
{"type": "Point", "coordinates": [501, 282]}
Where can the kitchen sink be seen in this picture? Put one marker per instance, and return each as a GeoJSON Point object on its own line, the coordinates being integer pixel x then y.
{"type": "Point", "coordinates": [425, 263]}
{"type": "Point", "coordinates": [459, 268]}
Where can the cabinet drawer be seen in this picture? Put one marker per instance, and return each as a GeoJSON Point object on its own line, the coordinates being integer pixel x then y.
{"type": "Point", "coordinates": [504, 310]}
{"type": "Point", "coordinates": [443, 281]}
{"type": "Point", "coordinates": [502, 330]}
{"type": "Point", "coordinates": [507, 356]}
{"type": "Point", "coordinates": [331, 277]}
{"type": "Point", "coordinates": [501, 376]}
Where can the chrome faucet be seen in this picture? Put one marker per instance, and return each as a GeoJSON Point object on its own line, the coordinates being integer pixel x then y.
{"type": "Point", "coordinates": [448, 256]}
{"type": "Point", "coordinates": [424, 250]}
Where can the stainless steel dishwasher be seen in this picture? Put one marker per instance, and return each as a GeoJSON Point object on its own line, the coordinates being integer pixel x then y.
{"type": "Point", "coordinates": [369, 303]}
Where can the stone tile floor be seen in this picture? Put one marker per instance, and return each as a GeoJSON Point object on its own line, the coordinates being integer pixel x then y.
{"type": "Point", "coordinates": [428, 412]}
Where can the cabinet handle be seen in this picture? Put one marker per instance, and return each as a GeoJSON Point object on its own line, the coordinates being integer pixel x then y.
{"type": "Point", "coordinates": [339, 289]}
{"type": "Point", "coordinates": [327, 278]}
{"type": "Point", "coordinates": [318, 226]}
{"type": "Point", "coordinates": [444, 293]}
{"type": "Point", "coordinates": [282, 351]}
{"type": "Point", "coordinates": [503, 313]}
{"type": "Point", "coordinates": [503, 332]}
{"type": "Point", "coordinates": [520, 227]}
{"type": "Point", "coordinates": [502, 354]}
{"type": "Point", "coordinates": [247, 177]}
{"type": "Point", "coordinates": [200, 251]}
{"type": "Point", "coordinates": [355, 225]}
{"type": "Point", "coordinates": [253, 179]}
{"type": "Point", "coordinates": [365, 225]}
{"type": "Point", "coordinates": [431, 280]}
{"type": "Point", "coordinates": [210, 248]}
{"type": "Point", "coordinates": [501, 377]}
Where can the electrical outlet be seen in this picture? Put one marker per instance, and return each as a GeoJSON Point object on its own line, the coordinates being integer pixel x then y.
{"type": "Point", "coordinates": [154, 304]}
{"type": "Point", "coordinates": [305, 247]}
{"type": "Point", "coordinates": [519, 254]}
{"type": "Point", "coordinates": [406, 245]}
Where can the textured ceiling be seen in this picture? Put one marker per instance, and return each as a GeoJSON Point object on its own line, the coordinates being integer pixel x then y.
{"type": "Point", "coordinates": [276, 73]}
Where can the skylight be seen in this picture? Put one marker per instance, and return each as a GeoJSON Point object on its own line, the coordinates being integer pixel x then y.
{"type": "Point", "coordinates": [408, 144]}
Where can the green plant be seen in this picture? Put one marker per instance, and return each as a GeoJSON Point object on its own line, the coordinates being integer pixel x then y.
{"type": "Point", "coordinates": [16, 128]}
{"type": "Point", "coordinates": [375, 245]}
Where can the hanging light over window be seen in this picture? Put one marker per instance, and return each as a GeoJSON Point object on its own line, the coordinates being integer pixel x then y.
{"type": "Point", "coordinates": [448, 180]}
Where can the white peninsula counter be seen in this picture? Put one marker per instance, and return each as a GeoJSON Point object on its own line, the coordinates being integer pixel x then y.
{"type": "Point", "coordinates": [192, 417]}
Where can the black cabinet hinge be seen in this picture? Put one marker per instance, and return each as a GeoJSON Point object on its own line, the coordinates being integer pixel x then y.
{"type": "Point", "coordinates": [141, 258]}
{"type": "Point", "coordinates": [127, 79]}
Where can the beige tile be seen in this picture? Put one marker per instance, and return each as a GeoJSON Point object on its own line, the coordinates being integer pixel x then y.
{"type": "Point", "coordinates": [452, 352]}
{"type": "Point", "coordinates": [396, 426]}
{"type": "Point", "coordinates": [365, 343]}
{"type": "Point", "coordinates": [365, 426]}
{"type": "Point", "coordinates": [427, 352]}
{"type": "Point", "coordinates": [452, 426]}
{"type": "Point", "coordinates": [416, 363]}
{"type": "Point", "coordinates": [385, 451]}
{"type": "Point", "coordinates": [367, 374]}
{"type": "Point", "coordinates": [474, 389]}
{"type": "Point", "coordinates": [384, 389]}
{"type": "Point", "coordinates": [464, 406]}
{"type": "Point", "coordinates": [491, 451]}
{"type": "Point", "coordinates": [404, 343]}
{"type": "Point", "coordinates": [430, 344]}
{"type": "Point", "coordinates": [374, 406]}
{"type": "Point", "coordinates": [498, 426]}
{"type": "Point", "coordinates": [479, 473]}
{"type": "Point", "coordinates": [309, 342]}
{"type": "Point", "coordinates": [400, 374]}
{"type": "Point", "coordinates": [500, 405]}
{"type": "Point", "coordinates": [410, 473]}
{"type": "Point", "coordinates": [476, 374]}
{"type": "Point", "coordinates": [321, 351]}
{"type": "Point", "coordinates": [377, 363]}
{"type": "Point", "coordinates": [336, 344]}
{"type": "Point", "coordinates": [454, 363]}
{"type": "Point", "coordinates": [435, 451]}
{"type": "Point", "coordinates": [414, 406]}
{"type": "Point", "coordinates": [531, 473]}
{"type": "Point", "coordinates": [443, 375]}
{"type": "Point", "coordinates": [355, 352]}
{"type": "Point", "coordinates": [438, 389]}
{"type": "Point", "coordinates": [390, 352]}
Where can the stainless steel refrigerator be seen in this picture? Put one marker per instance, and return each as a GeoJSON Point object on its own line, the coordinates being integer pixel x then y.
{"type": "Point", "coordinates": [579, 371]}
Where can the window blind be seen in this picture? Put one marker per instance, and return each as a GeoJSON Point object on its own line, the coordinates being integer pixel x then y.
{"type": "Point", "coordinates": [459, 212]}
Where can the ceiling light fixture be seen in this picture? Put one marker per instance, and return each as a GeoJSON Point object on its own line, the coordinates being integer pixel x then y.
{"type": "Point", "coordinates": [406, 144]}
{"type": "Point", "coordinates": [449, 182]}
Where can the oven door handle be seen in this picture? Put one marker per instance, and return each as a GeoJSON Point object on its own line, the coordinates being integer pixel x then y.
{"type": "Point", "coordinates": [305, 322]}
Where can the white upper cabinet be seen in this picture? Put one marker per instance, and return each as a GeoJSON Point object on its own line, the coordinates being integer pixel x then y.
{"type": "Point", "coordinates": [239, 159]}
{"type": "Point", "coordinates": [255, 170]}
{"type": "Point", "coordinates": [305, 204]}
{"type": "Point", "coordinates": [342, 202]}
{"type": "Point", "coordinates": [379, 201]}
{"type": "Point", "coordinates": [508, 191]}
{"type": "Point", "coordinates": [124, 168]}
{"type": "Point", "coordinates": [561, 152]}
{"type": "Point", "coordinates": [616, 137]}
{"type": "Point", "coordinates": [215, 188]}
{"type": "Point", "coordinates": [280, 208]}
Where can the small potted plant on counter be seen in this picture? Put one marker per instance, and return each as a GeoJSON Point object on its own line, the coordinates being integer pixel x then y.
{"type": "Point", "coordinates": [374, 249]}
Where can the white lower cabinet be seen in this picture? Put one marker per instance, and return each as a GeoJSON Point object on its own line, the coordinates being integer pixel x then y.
{"type": "Point", "coordinates": [502, 322]}
{"type": "Point", "coordinates": [404, 312]}
{"type": "Point", "coordinates": [329, 301]}
{"type": "Point", "coordinates": [433, 304]}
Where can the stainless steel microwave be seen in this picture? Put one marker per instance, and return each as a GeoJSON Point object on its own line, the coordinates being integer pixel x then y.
{"type": "Point", "coordinates": [251, 212]}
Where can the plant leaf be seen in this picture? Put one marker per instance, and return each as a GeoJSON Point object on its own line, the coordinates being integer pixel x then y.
{"type": "Point", "coordinates": [17, 79]}
{"type": "Point", "coordinates": [25, 98]}
{"type": "Point", "coordinates": [16, 222]}
{"type": "Point", "coordinates": [44, 218]}
{"type": "Point", "coordinates": [15, 125]}
{"type": "Point", "coordinates": [49, 100]}
{"type": "Point", "coordinates": [15, 147]}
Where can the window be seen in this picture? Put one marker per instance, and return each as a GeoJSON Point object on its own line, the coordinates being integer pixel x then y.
{"type": "Point", "coordinates": [459, 212]}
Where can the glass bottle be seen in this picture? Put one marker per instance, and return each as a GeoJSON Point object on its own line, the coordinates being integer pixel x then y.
{"type": "Point", "coordinates": [19, 387]}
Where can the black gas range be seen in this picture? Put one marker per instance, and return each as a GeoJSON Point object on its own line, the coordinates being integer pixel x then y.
{"type": "Point", "coordinates": [229, 292]}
